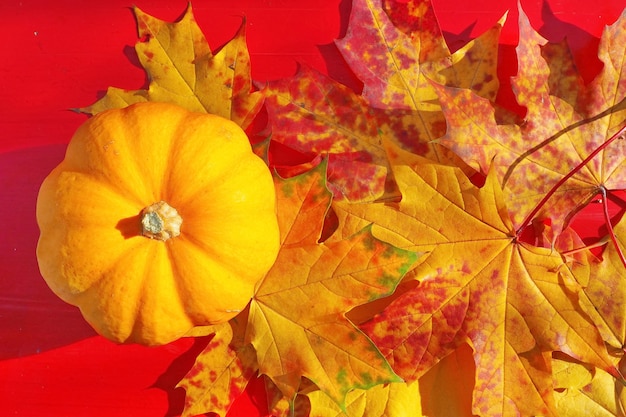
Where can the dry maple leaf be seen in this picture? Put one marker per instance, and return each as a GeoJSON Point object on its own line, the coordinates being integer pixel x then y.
{"type": "Point", "coordinates": [297, 321]}
{"type": "Point", "coordinates": [396, 48]}
{"type": "Point", "coordinates": [565, 123]}
{"type": "Point", "coordinates": [312, 113]}
{"type": "Point", "coordinates": [512, 302]}
{"type": "Point", "coordinates": [183, 70]}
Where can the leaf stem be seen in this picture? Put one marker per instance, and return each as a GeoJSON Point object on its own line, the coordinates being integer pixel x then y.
{"type": "Point", "coordinates": [609, 225]}
{"type": "Point", "coordinates": [597, 244]}
{"type": "Point", "coordinates": [570, 174]}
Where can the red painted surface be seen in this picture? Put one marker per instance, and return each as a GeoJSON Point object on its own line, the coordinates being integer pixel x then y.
{"type": "Point", "coordinates": [63, 54]}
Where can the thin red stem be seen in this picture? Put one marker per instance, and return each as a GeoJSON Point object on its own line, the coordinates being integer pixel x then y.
{"type": "Point", "coordinates": [599, 243]}
{"type": "Point", "coordinates": [562, 181]}
{"type": "Point", "coordinates": [609, 225]}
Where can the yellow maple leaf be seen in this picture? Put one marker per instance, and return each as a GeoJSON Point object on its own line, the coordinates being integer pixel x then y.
{"type": "Point", "coordinates": [297, 321]}
{"type": "Point", "coordinates": [182, 70]}
{"type": "Point", "coordinates": [514, 303]}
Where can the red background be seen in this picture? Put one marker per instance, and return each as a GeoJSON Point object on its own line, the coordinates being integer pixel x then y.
{"type": "Point", "coordinates": [58, 55]}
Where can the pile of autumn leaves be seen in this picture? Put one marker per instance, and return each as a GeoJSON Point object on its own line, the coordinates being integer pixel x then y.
{"type": "Point", "coordinates": [402, 288]}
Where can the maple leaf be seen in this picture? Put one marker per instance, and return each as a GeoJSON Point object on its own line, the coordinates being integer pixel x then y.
{"type": "Point", "coordinates": [221, 371]}
{"type": "Point", "coordinates": [312, 113]}
{"type": "Point", "coordinates": [566, 123]}
{"type": "Point", "coordinates": [297, 321]}
{"type": "Point", "coordinates": [512, 302]}
{"type": "Point", "coordinates": [396, 48]}
{"type": "Point", "coordinates": [183, 70]}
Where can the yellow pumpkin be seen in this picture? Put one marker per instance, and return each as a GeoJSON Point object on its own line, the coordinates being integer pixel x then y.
{"type": "Point", "coordinates": [157, 220]}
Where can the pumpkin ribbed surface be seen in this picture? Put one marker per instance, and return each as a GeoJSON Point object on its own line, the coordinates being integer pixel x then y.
{"type": "Point", "coordinates": [131, 285]}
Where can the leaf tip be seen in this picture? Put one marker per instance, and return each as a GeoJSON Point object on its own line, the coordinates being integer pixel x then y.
{"type": "Point", "coordinates": [504, 17]}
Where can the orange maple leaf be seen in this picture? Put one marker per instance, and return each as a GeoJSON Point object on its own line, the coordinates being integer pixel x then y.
{"type": "Point", "coordinates": [312, 113]}
{"type": "Point", "coordinates": [295, 325]}
{"type": "Point", "coordinates": [445, 390]}
{"type": "Point", "coordinates": [514, 303]}
{"type": "Point", "coordinates": [396, 48]}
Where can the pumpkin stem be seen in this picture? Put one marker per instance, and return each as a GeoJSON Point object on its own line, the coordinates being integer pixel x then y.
{"type": "Point", "coordinates": [160, 221]}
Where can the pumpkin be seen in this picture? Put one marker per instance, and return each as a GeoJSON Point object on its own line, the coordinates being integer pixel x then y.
{"type": "Point", "coordinates": [157, 220]}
